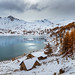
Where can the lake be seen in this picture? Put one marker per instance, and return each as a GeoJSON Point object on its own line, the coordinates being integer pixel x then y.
{"type": "Point", "coordinates": [13, 46]}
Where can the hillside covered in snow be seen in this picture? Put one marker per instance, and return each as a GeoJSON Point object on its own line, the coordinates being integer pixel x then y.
{"type": "Point", "coordinates": [13, 26]}
{"type": "Point", "coordinates": [57, 57]}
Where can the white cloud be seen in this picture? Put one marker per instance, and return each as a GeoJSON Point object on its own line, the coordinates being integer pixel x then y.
{"type": "Point", "coordinates": [41, 8]}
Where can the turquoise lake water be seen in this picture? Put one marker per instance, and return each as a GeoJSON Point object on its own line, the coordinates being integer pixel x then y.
{"type": "Point", "coordinates": [13, 46]}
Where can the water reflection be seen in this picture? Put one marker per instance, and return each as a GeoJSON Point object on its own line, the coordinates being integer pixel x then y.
{"type": "Point", "coordinates": [28, 44]}
{"type": "Point", "coordinates": [12, 46]}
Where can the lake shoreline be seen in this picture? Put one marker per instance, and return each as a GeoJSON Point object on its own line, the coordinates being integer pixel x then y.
{"type": "Point", "coordinates": [38, 37]}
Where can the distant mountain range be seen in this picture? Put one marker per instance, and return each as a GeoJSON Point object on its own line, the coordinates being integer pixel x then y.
{"type": "Point", "coordinates": [14, 24]}
{"type": "Point", "coordinates": [10, 23]}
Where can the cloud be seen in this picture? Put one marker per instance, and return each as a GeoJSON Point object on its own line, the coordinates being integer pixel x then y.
{"type": "Point", "coordinates": [19, 5]}
{"type": "Point", "coordinates": [15, 5]}
{"type": "Point", "coordinates": [36, 7]}
{"type": "Point", "coordinates": [64, 7]}
{"type": "Point", "coordinates": [56, 6]}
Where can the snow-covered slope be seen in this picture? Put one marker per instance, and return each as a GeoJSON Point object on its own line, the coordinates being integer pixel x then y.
{"type": "Point", "coordinates": [63, 22]}
{"type": "Point", "coordinates": [14, 24]}
{"type": "Point", "coordinates": [10, 25]}
{"type": "Point", "coordinates": [50, 65]}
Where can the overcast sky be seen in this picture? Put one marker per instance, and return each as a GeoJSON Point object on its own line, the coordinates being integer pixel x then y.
{"type": "Point", "coordinates": [30, 10]}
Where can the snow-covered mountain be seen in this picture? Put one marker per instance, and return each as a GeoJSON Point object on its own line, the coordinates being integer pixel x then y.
{"type": "Point", "coordinates": [17, 25]}
{"type": "Point", "coordinates": [11, 25]}
{"type": "Point", "coordinates": [14, 23]}
{"type": "Point", "coordinates": [54, 64]}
